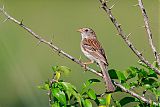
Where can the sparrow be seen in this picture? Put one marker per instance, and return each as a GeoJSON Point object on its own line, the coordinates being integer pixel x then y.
{"type": "Point", "coordinates": [93, 50]}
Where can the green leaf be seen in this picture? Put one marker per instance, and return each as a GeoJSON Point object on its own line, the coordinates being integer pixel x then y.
{"type": "Point", "coordinates": [134, 83]}
{"type": "Point", "coordinates": [131, 72]}
{"type": "Point", "coordinates": [60, 95]}
{"type": "Point", "coordinates": [88, 103]}
{"type": "Point", "coordinates": [113, 74]}
{"type": "Point", "coordinates": [55, 68]}
{"type": "Point", "coordinates": [147, 86]}
{"type": "Point", "coordinates": [121, 76]}
{"type": "Point", "coordinates": [126, 85]}
{"type": "Point", "coordinates": [93, 81]}
{"type": "Point", "coordinates": [117, 104]}
{"type": "Point", "coordinates": [55, 104]}
{"type": "Point", "coordinates": [87, 84]}
{"type": "Point", "coordinates": [63, 69]}
{"type": "Point", "coordinates": [152, 74]}
{"type": "Point", "coordinates": [108, 100]}
{"type": "Point", "coordinates": [91, 94]}
{"type": "Point", "coordinates": [68, 86]}
{"type": "Point", "coordinates": [102, 101]}
{"type": "Point", "coordinates": [141, 73]}
{"type": "Point", "coordinates": [155, 64]}
{"type": "Point", "coordinates": [127, 100]}
{"type": "Point", "coordinates": [148, 81]}
{"type": "Point", "coordinates": [156, 84]}
{"type": "Point", "coordinates": [102, 106]}
{"type": "Point", "coordinates": [157, 94]}
{"type": "Point", "coordinates": [71, 90]}
{"type": "Point", "coordinates": [45, 87]}
{"type": "Point", "coordinates": [143, 64]}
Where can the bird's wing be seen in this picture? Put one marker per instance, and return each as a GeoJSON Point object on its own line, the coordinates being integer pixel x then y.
{"type": "Point", "coordinates": [93, 46]}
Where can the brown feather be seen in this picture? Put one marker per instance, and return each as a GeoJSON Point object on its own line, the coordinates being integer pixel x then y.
{"type": "Point", "coordinates": [93, 46]}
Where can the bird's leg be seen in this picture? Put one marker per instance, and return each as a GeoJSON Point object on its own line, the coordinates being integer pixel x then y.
{"type": "Point", "coordinates": [87, 63]}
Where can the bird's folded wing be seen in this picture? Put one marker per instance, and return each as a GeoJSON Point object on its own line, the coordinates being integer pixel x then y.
{"type": "Point", "coordinates": [93, 47]}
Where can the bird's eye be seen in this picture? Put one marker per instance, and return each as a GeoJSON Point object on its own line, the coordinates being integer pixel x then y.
{"type": "Point", "coordinates": [86, 30]}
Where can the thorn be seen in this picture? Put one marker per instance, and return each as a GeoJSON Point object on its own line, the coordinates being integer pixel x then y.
{"type": "Point", "coordinates": [5, 20]}
{"type": "Point", "coordinates": [128, 35]}
{"type": "Point", "coordinates": [119, 25]}
{"type": "Point", "coordinates": [21, 23]}
{"type": "Point", "coordinates": [142, 26]}
{"type": "Point", "coordinates": [141, 53]}
{"type": "Point", "coordinates": [80, 58]}
{"type": "Point", "coordinates": [3, 7]}
{"type": "Point", "coordinates": [59, 51]}
{"type": "Point", "coordinates": [117, 34]}
{"type": "Point", "coordinates": [101, 6]}
{"type": "Point", "coordinates": [112, 6]}
{"type": "Point", "coordinates": [53, 36]}
{"type": "Point", "coordinates": [51, 41]}
{"type": "Point", "coordinates": [136, 5]}
{"type": "Point", "coordinates": [38, 43]}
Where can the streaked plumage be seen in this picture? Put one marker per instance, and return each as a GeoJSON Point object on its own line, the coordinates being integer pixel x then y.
{"type": "Point", "coordinates": [93, 50]}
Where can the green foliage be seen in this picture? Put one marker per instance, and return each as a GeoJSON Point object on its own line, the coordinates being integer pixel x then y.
{"type": "Point", "coordinates": [64, 94]}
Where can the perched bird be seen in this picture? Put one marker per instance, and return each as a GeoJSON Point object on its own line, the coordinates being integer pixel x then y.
{"type": "Point", "coordinates": [93, 50]}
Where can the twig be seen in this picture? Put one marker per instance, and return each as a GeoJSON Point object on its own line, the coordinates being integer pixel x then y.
{"type": "Point", "coordinates": [50, 90]}
{"type": "Point", "coordinates": [51, 82]}
{"type": "Point", "coordinates": [135, 95]}
{"type": "Point", "coordinates": [148, 30]}
{"type": "Point", "coordinates": [55, 48]}
{"type": "Point", "coordinates": [124, 37]}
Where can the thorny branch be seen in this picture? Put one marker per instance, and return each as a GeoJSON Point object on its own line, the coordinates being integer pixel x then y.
{"type": "Point", "coordinates": [56, 49]}
{"type": "Point", "coordinates": [135, 95]}
{"type": "Point", "coordinates": [148, 30]}
{"type": "Point", "coordinates": [50, 44]}
{"type": "Point", "coordinates": [125, 37]}
{"type": "Point", "coordinates": [50, 90]}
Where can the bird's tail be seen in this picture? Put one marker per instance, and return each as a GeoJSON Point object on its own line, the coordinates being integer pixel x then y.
{"type": "Point", "coordinates": [109, 85]}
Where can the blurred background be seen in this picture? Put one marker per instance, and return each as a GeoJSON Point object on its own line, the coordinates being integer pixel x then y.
{"type": "Point", "coordinates": [24, 65]}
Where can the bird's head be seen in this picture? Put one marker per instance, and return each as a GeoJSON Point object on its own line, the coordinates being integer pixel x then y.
{"type": "Point", "coordinates": [87, 33]}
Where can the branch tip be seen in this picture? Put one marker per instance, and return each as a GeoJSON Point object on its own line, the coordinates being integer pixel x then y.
{"type": "Point", "coordinates": [136, 5]}
{"type": "Point", "coordinates": [148, 31]}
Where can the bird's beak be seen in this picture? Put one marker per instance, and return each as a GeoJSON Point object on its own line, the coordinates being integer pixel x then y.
{"type": "Point", "coordinates": [79, 30]}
